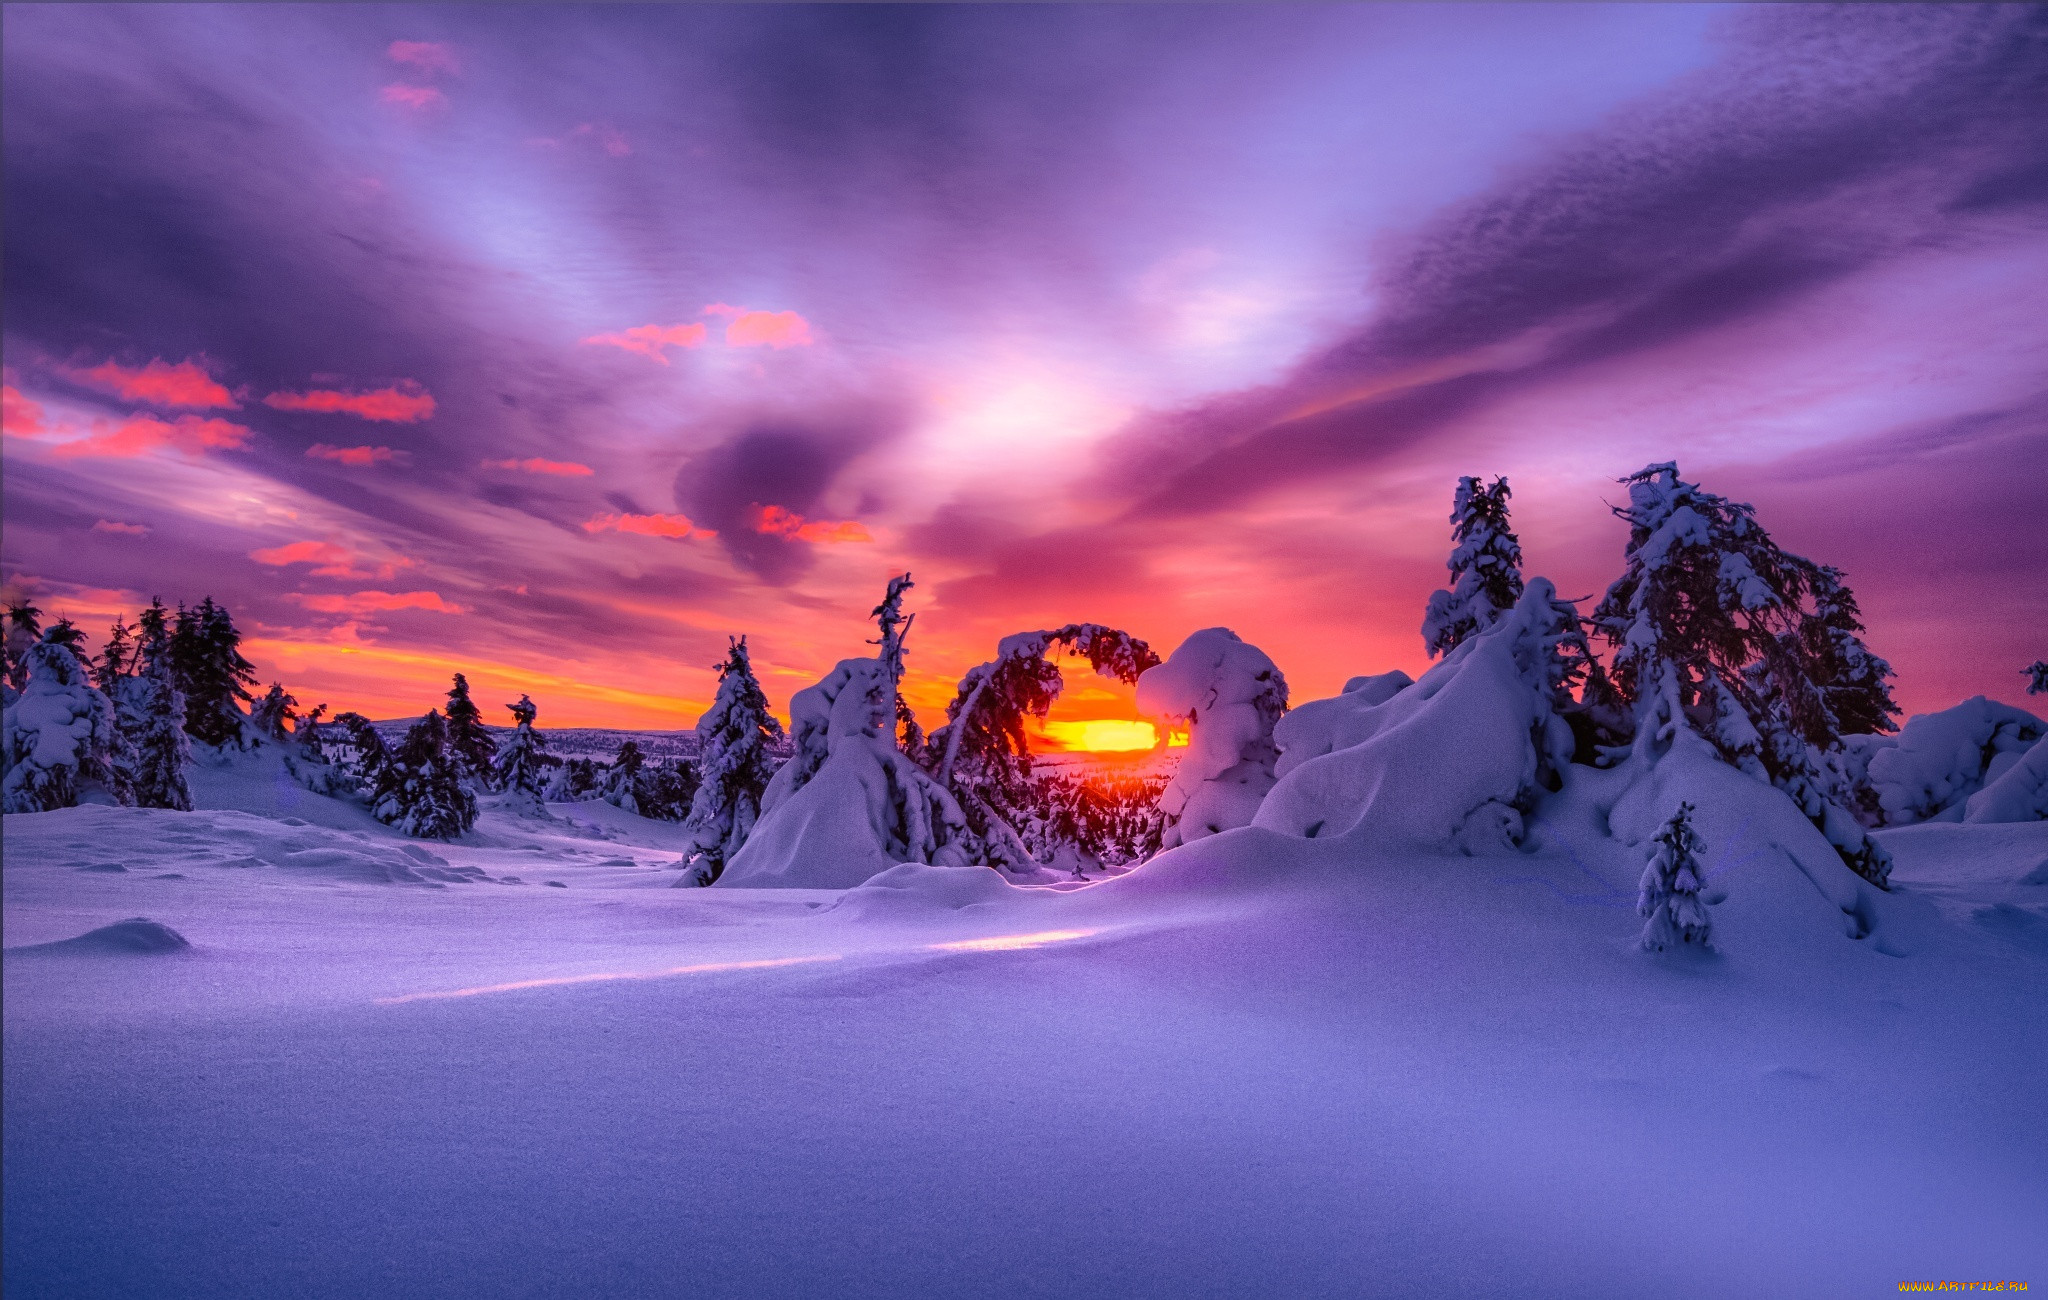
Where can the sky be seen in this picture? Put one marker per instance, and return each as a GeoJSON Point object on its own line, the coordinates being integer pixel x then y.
{"type": "Point", "coordinates": [556, 345]}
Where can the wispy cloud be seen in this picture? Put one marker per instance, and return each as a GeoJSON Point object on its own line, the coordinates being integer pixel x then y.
{"type": "Point", "coordinates": [774, 521]}
{"type": "Point", "coordinates": [375, 602]}
{"type": "Point", "coordinates": [404, 403]}
{"type": "Point", "coordinates": [753, 329]}
{"type": "Point", "coordinates": [140, 435]}
{"type": "Point", "coordinates": [124, 530]}
{"type": "Point", "coordinates": [427, 56]}
{"type": "Point", "coordinates": [159, 383]}
{"type": "Point", "coordinates": [21, 417]}
{"type": "Point", "coordinates": [656, 525]}
{"type": "Point", "coordinates": [414, 98]}
{"type": "Point", "coordinates": [357, 456]}
{"type": "Point", "coordinates": [332, 559]}
{"type": "Point", "coordinates": [536, 465]}
{"type": "Point", "coordinates": [649, 340]}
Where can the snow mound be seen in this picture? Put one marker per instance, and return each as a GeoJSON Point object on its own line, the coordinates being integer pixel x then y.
{"type": "Point", "coordinates": [1939, 760]}
{"type": "Point", "coordinates": [1323, 726]}
{"type": "Point", "coordinates": [1444, 763]}
{"type": "Point", "coordinates": [1230, 695]}
{"type": "Point", "coordinates": [136, 936]}
{"type": "Point", "coordinates": [913, 888]}
{"type": "Point", "coordinates": [2020, 794]}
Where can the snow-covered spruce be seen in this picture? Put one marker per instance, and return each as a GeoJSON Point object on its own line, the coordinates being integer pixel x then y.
{"type": "Point", "coordinates": [894, 627]}
{"type": "Point", "coordinates": [468, 740]}
{"type": "Point", "coordinates": [865, 806]}
{"type": "Point", "coordinates": [150, 710]}
{"type": "Point", "coordinates": [523, 763]}
{"type": "Point", "coordinates": [59, 741]}
{"type": "Point", "coordinates": [1712, 634]}
{"type": "Point", "coordinates": [365, 760]}
{"type": "Point", "coordinates": [2037, 677]}
{"type": "Point", "coordinates": [420, 790]}
{"type": "Point", "coordinates": [206, 655]}
{"type": "Point", "coordinates": [1450, 762]}
{"type": "Point", "coordinates": [735, 766]}
{"type": "Point", "coordinates": [1229, 695]}
{"type": "Point", "coordinates": [273, 717]}
{"type": "Point", "coordinates": [982, 758]}
{"type": "Point", "coordinates": [575, 780]}
{"type": "Point", "coordinates": [648, 789]}
{"type": "Point", "coordinates": [1485, 565]}
{"type": "Point", "coordinates": [1669, 898]}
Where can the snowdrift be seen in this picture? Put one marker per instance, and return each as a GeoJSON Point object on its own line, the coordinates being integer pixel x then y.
{"type": "Point", "coordinates": [1230, 695]}
{"type": "Point", "coordinates": [1935, 765]}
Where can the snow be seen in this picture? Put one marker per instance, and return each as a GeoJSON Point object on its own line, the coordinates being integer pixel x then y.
{"type": "Point", "coordinates": [2017, 794]}
{"type": "Point", "coordinates": [1259, 1065]}
{"type": "Point", "coordinates": [1939, 760]}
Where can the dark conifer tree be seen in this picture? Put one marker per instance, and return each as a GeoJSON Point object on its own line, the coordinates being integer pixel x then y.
{"type": "Point", "coordinates": [733, 739]}
{"type": "Point", "coordinates": [468, 739]}
{"type": "Point", "coordinates": [151, 710]}
{"type": "Point", "coordinates": [370, 758]}
{"type": "Point", "coordinates": [1485, 565]}
{"type": "Point", "coordinates": [421, 792]}
{"type": "Point", "coordinates": [622, 779]}
{"type": "Point", "coordinates": [2037, 677]}
{"type": "Point", "coordinates": [272, 714]}
{"type": "Point", "coordinates": [118, 659]}
{"type": "Point", "coordinates": [1852, 681]}
{"type": "Point", "coordinates": [523, 762]}
{"type": "Point", "coordinates": [24, 629]}
{"type": "Point", "coordinates": [206, 654]}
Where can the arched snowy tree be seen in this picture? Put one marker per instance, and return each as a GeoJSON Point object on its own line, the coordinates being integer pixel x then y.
{"type": "Point", "coordinates": [59, 740]}
{"type": "Point", "coordinates": [981, 753]}
{"type": "Point", "coordinates": [523, 762]}
{"type": "Point", "coordinates": [733, 738]}
{"type": "Point", "coordinates": [1485, 565]}
{"type": "Point", "coordinates": [1669, 898]}
{"type": "Point", "coordinates": [1229, 694]}
{"type": "Point", "coordinates": [468, 740]}
{"type": "Point", "coordinates": [273, 715]}
{"type": "Point", "coordinates": [1708, 624]}
{"type": "Point", "coordinates": [421, 791]}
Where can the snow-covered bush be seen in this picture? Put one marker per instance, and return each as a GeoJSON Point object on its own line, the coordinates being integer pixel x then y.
{"type": "Point", "coordinates": [1229, 695]}
{"type": "Point", "coordinates": [59, 741]}
{"type": "Point", "coordinates": [273, 716]}
{"type": "Point", "coordinates": [1669, 897]}
{"type": "Point", "coordinates": [733, 738]}
{"type": "Point", "coordinates": [654, 790]}
{"type": "Point", "coordinates": [420, 791]}
{"type": "Point", "coordinates": [864, 807]}
{"type": "Point", "coordinates": [1485, 565]}
{"type": "Point", "coordinates": [575, 780]}
{"type": "Point", "coordinates": [982, 757]}
{"type": "Point", "coordinates": [1938, 761]}
{"type": "Point", "coordinates": [1452, 761]}
{"type": "Point", "coordinates": [523, 761]}
{"type": "Point", "coordinates": [1713, 634]}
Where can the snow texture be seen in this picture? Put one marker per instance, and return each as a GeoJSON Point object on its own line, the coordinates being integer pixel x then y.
{"type": "Point", "coordinates": [1938, 761]}
{"type": "Point", "coordinates": [1229, 695]}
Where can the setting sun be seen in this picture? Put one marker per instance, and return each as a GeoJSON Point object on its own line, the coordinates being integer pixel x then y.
{"type": "Point", "coordinates": [1102, 735]}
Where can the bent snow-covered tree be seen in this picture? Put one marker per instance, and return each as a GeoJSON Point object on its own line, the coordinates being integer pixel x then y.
{"type": "Point", "coordinates": [1229, 695]}
{"type": "Point", "coordinates": [1712, 629]}
{"type": "Point", "coordinates": [59, 740]}
{"type": "Point", "coordinates": [1485, 565]}
{"type": "Point", "coordinates": [523, 762]}
{"type": "Point", "coordinates": [1669, 897]}
{"type": "Point", "coordinates": [735, 766]}
{"type": "Point", "coordinates": [981, 754]}
{"type": "Point", "coordinates": [421, 791]}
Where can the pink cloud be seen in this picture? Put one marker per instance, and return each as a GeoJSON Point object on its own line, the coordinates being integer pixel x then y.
{"type": "Point", "coordinates": [416, 98]}
{"type": "Point", "coordinates": [604, 135]}
{"type": "Point", "coordinates": [141, 434]}
{"type": "Point", "coordinates": [535, 465]}
{"type": "Point", "coordinates": [774, 329]}
{"type": "Point", "coordinates": [333, 560]}
{"type": "Point", "coordinates": [370, 602]}
{"type": "Point", "coordinates": [648, 525]}
{"type": "Point", "coordinates": [649, 340]}
{"type": "Point", "coordinates": [402, 404]}
{"type": "Point", "coordinates": [159, 383]}
{"type": "Point", "coordinates": [358, 456]}
{"type": "Point", "coordinates": [778, 522]}
{"type": "Point", "coordinates": [21, 417]}
{"type": "Point", "coordinates": [427, 56]}
{"type": "Point", "coordinates": [126, 530]}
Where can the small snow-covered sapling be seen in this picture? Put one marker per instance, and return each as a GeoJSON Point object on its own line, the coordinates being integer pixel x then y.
{"type": "Point", "coordinates": [1670, 895]}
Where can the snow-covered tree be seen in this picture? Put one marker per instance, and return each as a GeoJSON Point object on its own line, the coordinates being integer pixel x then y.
{"type": "Point", "coordinates": [622, 779]}
{"type": "Point", "coordinates": [369, 758]}
{"type": "Point", "coordinates": [1852, 680]}
{"type": "Point", "coordinates": [1229, 695]}
{"type": "Point", "coordinates": [735, 765]}
{"type": "Point", "coordinates": [894, 626]}
{"type": "Point", "coordinates": [523, 762]}
{"type": "Point", "coordinates": [118, 658]}
{"type": "Point", "coordinates": [421, 791]}
{"type": "Point", "coordinates": [2037, 677]}
{"type": "Point", "coordinates": [273, 716]}
{"type": "Point", "coordinates": [24, 630]}
{"type": "Point", "coordinates": [1710, 627]}
{"type": "Point", "coordinates": [1669, 898]}
{"type": "Point", "coordinates": [468, 740]}
{"type": "Point", "coordinates": [207, 657]}
{"type": "Point", "coordinates": [575, 780]}
{"type": "Point", "coordinates": [60, 742]}
{"type": "Point", "coordinates": [981, 753]}
{"type": "Point", "coordinates": [1485, 565]}
{"type": "Point", "coordinates": [150, 710]}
